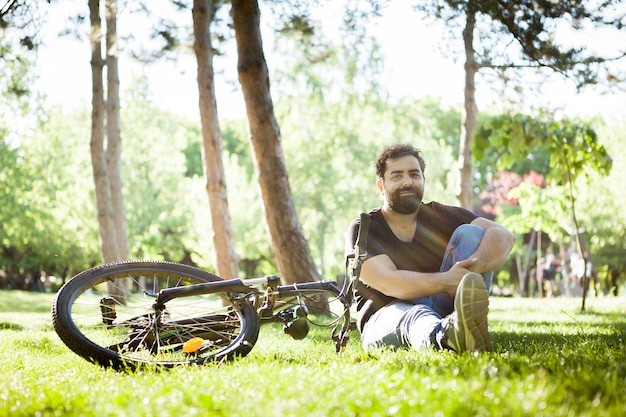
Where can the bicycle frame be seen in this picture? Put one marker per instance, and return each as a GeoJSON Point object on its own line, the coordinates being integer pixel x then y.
{"type": "Point", "coordinates": [266, 291]}
{"type": "Point", "coordinates": [239, 288]}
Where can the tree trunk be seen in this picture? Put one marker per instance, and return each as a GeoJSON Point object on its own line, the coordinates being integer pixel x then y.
{"type": "Point", "coordinates": [539, 268]}
{"type": "Point", "coordinates": [114, 150]}
{"type": "Point", "coordinates": [108, 244]}
{"type": "Point", "coordinates": [525, 282]}
{"type": "Point", "coordinates": [288, 243]}
{"type": "Point", "coordinates": [614, 275]}
{"type": "Point", "coordinates": [468, 126]}
{"type": "Point", "coordinates": [114, 142]}
{"type": "Point", "coordinates": [227, 263]}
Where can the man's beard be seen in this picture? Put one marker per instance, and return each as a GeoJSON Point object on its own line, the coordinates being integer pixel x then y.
{"type": "Point", "coordinates": [405, 204]}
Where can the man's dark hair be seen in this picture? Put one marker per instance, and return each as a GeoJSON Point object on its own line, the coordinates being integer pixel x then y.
{"type": "Point", "coordinates": [395, 152]}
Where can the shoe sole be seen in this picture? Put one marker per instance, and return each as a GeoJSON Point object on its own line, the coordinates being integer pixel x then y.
{"type": "Point", "coordinates": [472, 307]}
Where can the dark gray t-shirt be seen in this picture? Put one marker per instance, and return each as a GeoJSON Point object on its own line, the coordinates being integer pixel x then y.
{"type": "Point", "coordinates": [435, 224]}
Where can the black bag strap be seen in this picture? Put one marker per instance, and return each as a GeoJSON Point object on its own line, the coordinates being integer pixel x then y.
{"type": "Point", "coordinates": [361, 240]}
{"type": "Point", "coordinates": [360, 248]}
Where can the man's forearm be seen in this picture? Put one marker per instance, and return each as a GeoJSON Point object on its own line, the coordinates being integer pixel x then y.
{"type": "Point", "coordinates": [493, 250]}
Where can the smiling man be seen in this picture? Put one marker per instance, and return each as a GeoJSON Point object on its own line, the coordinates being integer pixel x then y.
{"type": "Point", "coordinates": [426, 279]}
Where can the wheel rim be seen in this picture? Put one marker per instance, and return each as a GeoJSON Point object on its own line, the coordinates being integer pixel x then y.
{"type": "Point", "coordinates": [123, 325]}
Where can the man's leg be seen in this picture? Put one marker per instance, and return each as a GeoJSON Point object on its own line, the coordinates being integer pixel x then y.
{"type": "Point", "coordinates": [402, 324]}
{"type": "Point", "coordinates": [463, 242]}
{"type": "Point", "coordinates": [465, 326]}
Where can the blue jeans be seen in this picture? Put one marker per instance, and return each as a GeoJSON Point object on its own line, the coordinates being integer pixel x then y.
{"type": "Point", "coordinates": [417, 323]}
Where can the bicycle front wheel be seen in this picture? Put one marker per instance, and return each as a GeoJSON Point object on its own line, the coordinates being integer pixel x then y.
{"type": "Point", "coordinates": [108, 316]}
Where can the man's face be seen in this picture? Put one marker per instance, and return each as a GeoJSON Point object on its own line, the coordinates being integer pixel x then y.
{"type": "Point", "coordinates": [403, 185]}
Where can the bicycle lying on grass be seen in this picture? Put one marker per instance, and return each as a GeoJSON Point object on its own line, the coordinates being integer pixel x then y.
{"type": "Point", "coordinates": [166, 314]}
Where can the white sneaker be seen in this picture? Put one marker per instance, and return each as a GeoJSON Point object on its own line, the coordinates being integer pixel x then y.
{"type": "Point", "coordinates": [466, 330]}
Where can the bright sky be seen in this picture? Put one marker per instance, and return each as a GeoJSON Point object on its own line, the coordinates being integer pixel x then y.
{"type": "Point", "coordinates": [413, 66]}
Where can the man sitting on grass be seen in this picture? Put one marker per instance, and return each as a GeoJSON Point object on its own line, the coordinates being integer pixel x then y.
{"type": "Point", "coordinates": [421, 284]}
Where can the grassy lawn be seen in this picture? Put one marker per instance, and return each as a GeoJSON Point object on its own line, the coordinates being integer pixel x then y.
{"type": "Point", "coordinates": [550, 360]}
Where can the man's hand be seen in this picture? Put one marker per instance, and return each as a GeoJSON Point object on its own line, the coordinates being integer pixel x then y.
{"type": "Point", "coordinates": [456, 274]}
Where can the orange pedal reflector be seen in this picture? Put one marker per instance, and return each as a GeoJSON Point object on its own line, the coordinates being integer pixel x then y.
{"type": "Point", "coordinates": [193, 345]}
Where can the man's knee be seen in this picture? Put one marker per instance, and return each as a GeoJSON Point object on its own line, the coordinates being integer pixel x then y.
{"type": "Point", "coordinates": [466, 239]}
{"type": "Point", "coordinates": [469, 231]}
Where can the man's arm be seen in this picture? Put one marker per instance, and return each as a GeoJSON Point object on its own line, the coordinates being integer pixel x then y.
{"type": "Point", "coordinates": [494, 247]}
{"type": "Point", "coordinates": [380, 273]}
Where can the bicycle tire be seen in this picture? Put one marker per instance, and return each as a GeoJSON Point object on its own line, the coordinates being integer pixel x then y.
{"type": "Point", "coordinates": [106, 329]}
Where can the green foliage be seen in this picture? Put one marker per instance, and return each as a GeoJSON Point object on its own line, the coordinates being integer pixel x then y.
{"type": "Point", "coordinates": [550, 359]}
{"type": "Point", "coordinates": [166, 202]}
{"type": "Point", "coordinates": [17, 70]}
{"type": "Point", "coordinates": [490, 154]}
{"type": "Point", "coordinates": [573, 148]}
{"type": "Point", "coordinates": [252, 242]}
{"type": "Point", "coordinates": [602, 215]}
{"type": "Point", "coordinates": [45, 186]}
{"type": "Point", "coordinates": [575, 155]}
{"type": "Point", "coordinates": [48, 216]}
{"type": "Point", "coordinates": [193, 156]}
{"type": "Point", "coordinates": [19, 108]}
{"type": "Point", "coordinates": [541, 209]}
{"type": "Point", "coordinates": [42, 172]}
{"type": "Point", "coordinates": [236, 143]}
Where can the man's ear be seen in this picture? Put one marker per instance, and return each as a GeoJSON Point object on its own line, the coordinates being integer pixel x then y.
{"type": "Point", "coordinates": [380, 184]}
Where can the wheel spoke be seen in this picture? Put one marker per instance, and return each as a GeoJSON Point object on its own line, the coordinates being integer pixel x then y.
{"type": "Point", "coordinates": [115, 311]}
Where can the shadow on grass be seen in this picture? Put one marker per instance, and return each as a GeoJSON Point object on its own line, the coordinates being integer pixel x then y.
{"type": "Point", "coordinates": [10, 326]}
{"type": "Point", "coordinates": [543, 338]}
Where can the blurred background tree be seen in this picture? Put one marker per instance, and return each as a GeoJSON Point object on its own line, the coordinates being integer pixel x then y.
{"type": "Point", "coordinates": [334, 114]}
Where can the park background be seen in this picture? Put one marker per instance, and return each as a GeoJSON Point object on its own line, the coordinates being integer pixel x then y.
{"type": "Point", "coordinates": [333, 120]}
{"type": "Point", "coordinates": [397, 78]}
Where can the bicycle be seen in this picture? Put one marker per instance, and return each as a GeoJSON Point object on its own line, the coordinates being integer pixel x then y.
{"type": "Point", "coordinates": [129, 314]}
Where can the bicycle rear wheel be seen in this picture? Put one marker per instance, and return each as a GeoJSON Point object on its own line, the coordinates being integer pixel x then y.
{"type": "Point", "coordinates": [107, 315]}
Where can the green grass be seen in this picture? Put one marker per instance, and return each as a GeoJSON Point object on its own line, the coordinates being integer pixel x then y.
{"type": "Point", "coordinates": [550, 360]}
